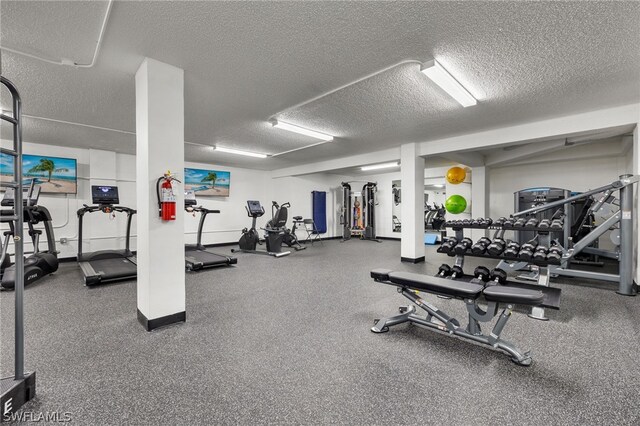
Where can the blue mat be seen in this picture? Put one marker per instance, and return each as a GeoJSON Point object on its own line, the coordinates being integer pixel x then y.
{"type": "Point", "coordinates": [430, 239]}
{"type": "Point", "coordinates": [319, 203]}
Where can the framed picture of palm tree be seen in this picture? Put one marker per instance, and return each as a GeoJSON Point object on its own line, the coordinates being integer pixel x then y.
{"type": "Point", "coordinates": [53, 174]}
{"type": "Point", "coordinates": [207, 182]}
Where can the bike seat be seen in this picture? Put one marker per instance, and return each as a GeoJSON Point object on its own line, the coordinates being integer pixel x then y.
{"type": "Point", "coordinates": [298, 218]}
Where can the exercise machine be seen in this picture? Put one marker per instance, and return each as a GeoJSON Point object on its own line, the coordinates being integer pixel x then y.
{"type": "Point", "coordinates": [197, 256]}
{"type": "Point", "coordinates": [357, 216]}
{"type": "Point", "coordinates": [496, 296]}
{"type": "Point", "coordinates": [250, 239]}
{"type": "Point", "coordinates": [40, 263]}
{"type": "Point", "coordinates": [19, 388]}
{"type": "Point", "coordinates": [106, 266]}
{"type": "Point", "coordinates": [289, 238]}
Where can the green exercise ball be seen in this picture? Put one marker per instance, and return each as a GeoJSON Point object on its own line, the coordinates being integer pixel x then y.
{"type": "Point", "coordinates": [455, 204]}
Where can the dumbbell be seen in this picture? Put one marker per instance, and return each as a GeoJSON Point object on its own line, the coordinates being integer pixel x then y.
{"type": "Point", "coordinates": [508, 223]}
{"type": "Point", "coordinates": [526, 251]}
{"type": "Point", "coordinates": [500, 221]}
{"type": "Point", "coordinates": [557, 224]}
{"type": "Point", "coordinates": [496, 247]}
{"type": "Point", "coordinates": [519, 223]}
{"type": "Point", "coordinates": [444, 271]}
{"type": "Point", "coordinates": [555, 254]}
{"type": "Point", "coordinates": [463, 246]}
{"type": "Point", "coordinates": [448, 244]}
{"type": "Point", "coordinates": [540, 254]}
{"type": "Point", "coordinates": [512, 249]}
{"type": "Point", "coordinates": [480, 246]}
{"type": "Point", "coordinates": [456, 272]}
{"type": "Point", "coordinates": [532, 223]}
{"type": "Point", "coordinates": [544, 224]}
{"type": "Point", "coordinates": [499, 276]}
{"type": "Point", "coordinates": [482, 273]}
{"type": "Point", "coordinates": [467, 222]}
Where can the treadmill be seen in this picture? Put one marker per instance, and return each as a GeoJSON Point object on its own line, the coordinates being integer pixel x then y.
{"type": "Point", "coordinates": [106, 266]}
{"type": "Point", "coordinates": [196, 255]}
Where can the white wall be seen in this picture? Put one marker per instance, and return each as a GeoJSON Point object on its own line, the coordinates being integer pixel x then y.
{"type": "Point", "coordinates": [101, 233]}
{"type": "Point", "coordinates": [578, 175]}
{"type": "Point", "coordinates": [297, 191]}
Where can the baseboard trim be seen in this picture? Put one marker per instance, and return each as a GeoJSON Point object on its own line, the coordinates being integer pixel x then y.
{"type": "Point", "coordinates": [389, 238]}
{"type": "Point", "coordinates": [412, 260]}
{"type": "Point", "coordinates": [155, 323]}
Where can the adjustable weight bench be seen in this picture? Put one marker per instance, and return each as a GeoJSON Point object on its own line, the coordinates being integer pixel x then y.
{"type": "Point", "coordinates": [495, 295]}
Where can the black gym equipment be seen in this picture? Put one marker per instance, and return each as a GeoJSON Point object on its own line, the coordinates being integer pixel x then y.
{"type": "Point", "coordinates": [289, 237]}
{"type": "Point", "coordinates": [448, 245]}
{"type": "Point", "coordinates": [495, 296]}
{"type": "Point", "coordinates": [480, 247]}
{"type": "Point", "coordinates": [512, 250]}
{"type": "Point", "coordinates": [105, 266]}
{"type": "Point", "coordinates": [197, 256]}
{"type": "Point", "coordinates": [250, 239]}
{"type": "Point", "coordinates": [444, 271]}
{"type": "Point", "coordinates": [463, 246]}
{"type": "Point", "coordinates": [366, 228]}
{"type": "Point", "coordinates": [40, 263]}
{"type": "Point", "coordinates": [496, 247]}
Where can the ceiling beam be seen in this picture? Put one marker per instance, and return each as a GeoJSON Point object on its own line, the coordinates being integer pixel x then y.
{"type": "Point", "coordinates": [470, 159]}
{"type": "Point", "coordinates": [532, 149]}
{"type": "Point", "coordinates": [536, 131]}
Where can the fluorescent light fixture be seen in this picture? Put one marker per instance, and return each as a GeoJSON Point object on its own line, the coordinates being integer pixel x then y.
{"type": "Point", "coordinates": [439, 186]}
{"type": "Point", "coordinates": [442, 78]}
{"type": "Point", "coordinates": [379, 166]}
{"type": "Point", "coordinates": [302, 131]}
{"type": "Point", "coordinates": [238, 152]}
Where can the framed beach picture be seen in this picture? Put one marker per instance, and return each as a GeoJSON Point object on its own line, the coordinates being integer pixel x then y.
{"type": "Point", "coordinates": [53, 174]}
{"type": "Point", "coordinates": [207, 182]}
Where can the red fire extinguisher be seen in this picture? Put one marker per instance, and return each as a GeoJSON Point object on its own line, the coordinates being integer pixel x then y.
{"type": "Point", "coordinates": [166, 197]}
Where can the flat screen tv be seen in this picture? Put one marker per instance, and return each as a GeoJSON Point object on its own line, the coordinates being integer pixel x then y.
{"type": "Point", "coordinates": [207, 182]}
{"type": "Point", "coordinates": [54, 174]}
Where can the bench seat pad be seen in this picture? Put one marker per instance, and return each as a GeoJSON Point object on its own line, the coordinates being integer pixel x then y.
{"type": "Point", "coordinates": [519, 296]}
{"type": "Point", "coordinates": [442, 286]}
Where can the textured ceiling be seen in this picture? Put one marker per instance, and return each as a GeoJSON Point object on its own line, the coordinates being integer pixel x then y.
{"type": "Point", "coordinates": [246, 62]}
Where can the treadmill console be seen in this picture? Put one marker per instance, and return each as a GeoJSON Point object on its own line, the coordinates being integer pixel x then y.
{"type": "Point", "coordinates": [9, 196]}
{"type": "Point", "coordinates": [189, 199]}
{"type": "Point", "coordinates": [254, 208]}
{"type": "Point", "coordinates": [104, 195]}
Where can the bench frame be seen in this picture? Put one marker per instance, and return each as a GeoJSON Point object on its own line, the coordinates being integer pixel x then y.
{"type": "Point", "coordinates": [440, 321]}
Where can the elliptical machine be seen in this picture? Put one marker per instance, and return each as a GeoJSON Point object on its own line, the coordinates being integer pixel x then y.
{"type": "Point", "coordinates": [250, 239]}
{"type": "Point", "coordinates": [280, 213]}
{"type": "Point", "coordinates": [40, 263]}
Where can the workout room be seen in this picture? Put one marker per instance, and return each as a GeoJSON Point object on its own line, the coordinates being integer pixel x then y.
{"type": "Point", "coordinates": [310, 213]}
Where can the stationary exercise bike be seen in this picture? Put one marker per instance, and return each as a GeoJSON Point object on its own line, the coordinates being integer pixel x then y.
{"type": "Point", "coordinates": [250, 239]}
{"type": "Point", "coordinates": [279, 214]}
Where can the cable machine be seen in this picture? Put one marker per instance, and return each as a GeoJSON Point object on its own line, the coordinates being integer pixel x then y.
{"type": "Point", "coordinates": [20, 388]}
{"type": "Point", "coordinates": [357, 216]}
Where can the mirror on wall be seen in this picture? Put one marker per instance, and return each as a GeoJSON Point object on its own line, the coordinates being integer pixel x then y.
{"type": "Point", "coordinates": [396, 194]}
{"type": "Point", "coordinates": [434, 197]}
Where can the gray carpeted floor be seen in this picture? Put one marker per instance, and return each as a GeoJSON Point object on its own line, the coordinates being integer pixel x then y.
{"type": "Point", "coordinates": [287, 341]}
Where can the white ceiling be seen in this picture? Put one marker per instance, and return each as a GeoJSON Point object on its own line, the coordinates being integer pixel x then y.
{"type": "Point", "coordinates": [246, 62]}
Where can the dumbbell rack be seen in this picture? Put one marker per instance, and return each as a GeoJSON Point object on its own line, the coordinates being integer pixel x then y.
{"type": "Point", "coordinates": [552, 295]}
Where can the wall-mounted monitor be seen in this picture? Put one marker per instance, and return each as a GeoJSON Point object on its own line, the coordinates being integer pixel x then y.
{"type": "Point", "coordinates": [53, 174]}
{"type": "Point", "coordinates": [207, 182]}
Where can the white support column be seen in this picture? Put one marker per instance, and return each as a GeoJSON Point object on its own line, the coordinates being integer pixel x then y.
{"type": "Point", "coordinates": [159, 147]}
{"type": "Point", "coordinates": [636, 171]}
{"type": "Point", "coordinates": [479, 197]}
{"type": "Point", "coordinates": [412, 178]}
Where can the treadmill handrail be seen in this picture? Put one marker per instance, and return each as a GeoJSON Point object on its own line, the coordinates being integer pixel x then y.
{"type": "Point", "coordinates": [203, 215]}
{"type": "Point", "coordinates": [95, 208]}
